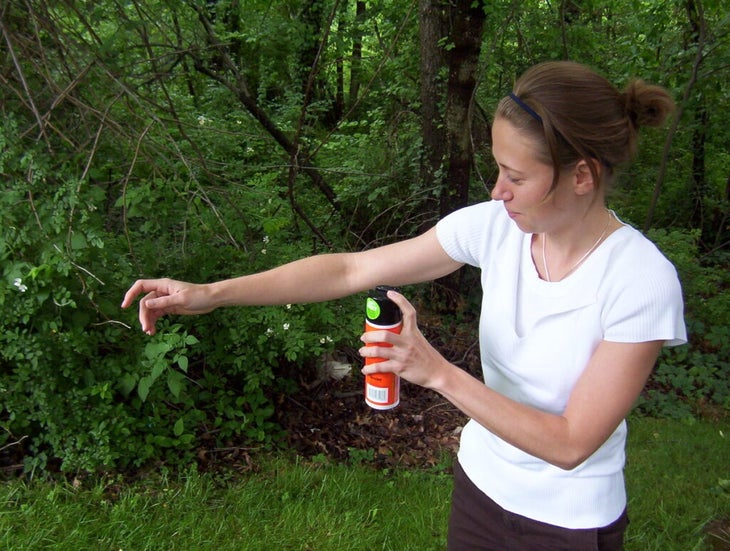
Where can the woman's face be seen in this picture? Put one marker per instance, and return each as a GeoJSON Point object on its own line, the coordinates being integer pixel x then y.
{"type": "Point", "coordinates": [524, 182]}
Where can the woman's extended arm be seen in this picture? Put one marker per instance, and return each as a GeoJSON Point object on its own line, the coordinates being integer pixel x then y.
{"type": "Point", "coordinates": [312, 279]}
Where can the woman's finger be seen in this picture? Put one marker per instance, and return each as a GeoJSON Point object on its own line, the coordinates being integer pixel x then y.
{"type": "Point", "coordinates": [406, 308]}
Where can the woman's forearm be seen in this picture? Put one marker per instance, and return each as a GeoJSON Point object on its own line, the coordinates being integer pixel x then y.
{"type": "Point", "coordinates": [313, 279]}
{"type": "Point", "coordinates": [331, 276]}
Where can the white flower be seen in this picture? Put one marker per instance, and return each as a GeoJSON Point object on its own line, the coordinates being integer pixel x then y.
{"type": "Point", "coordinates": [325, 340]}
{"type": "Point", "coordinates": [269, 332]}
{"type": "Point", "coordinates": [19, 284]}
{"type": "Point", "coordinates": [263, 251]}
{"type": "Point", "coordinates": [202, 119]}
{"type": "Point", "coordinates": [265, 239]}
{"type": "Point", "coordinates": [286, 327]}
{"type": "Point", "coordinates": [288, 306]}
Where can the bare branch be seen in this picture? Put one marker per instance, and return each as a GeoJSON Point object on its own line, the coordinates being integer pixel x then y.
{"type": "Point", "coordinates": [21, 76]}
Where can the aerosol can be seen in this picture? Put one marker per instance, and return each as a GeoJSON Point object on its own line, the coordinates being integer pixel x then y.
{"type": "Point", "coordinates": [382, 390]}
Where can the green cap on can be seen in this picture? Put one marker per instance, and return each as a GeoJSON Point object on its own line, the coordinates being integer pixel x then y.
{"type": "Point", "coordinates": [379, 309]}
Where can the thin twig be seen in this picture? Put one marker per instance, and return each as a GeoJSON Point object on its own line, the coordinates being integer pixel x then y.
{"type": "Point", "coordinates": [21, 75]}
{"type": "Point", "coordinates": [6, 446]}
{"type": "Point", "coordinates": [113, 322]}
{"type": "Point", "coordinates": [125, 181]}
{"type": "Point", "coordinates": [78, 267]}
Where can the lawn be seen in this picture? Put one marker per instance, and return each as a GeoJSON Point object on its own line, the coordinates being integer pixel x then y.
{"type": "Point", "coordinates": [678, 480]}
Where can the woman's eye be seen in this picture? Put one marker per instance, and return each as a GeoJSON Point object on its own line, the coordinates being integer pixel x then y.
{"type": "Point", "coordinates": [512, 179]}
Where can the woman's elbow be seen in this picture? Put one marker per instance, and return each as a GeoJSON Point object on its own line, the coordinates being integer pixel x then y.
{"type": "Point", "coordinates": [571, 457]}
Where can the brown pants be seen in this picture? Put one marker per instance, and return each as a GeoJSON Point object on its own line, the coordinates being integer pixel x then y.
{"type": "Point", "coordinates": [478, 524]}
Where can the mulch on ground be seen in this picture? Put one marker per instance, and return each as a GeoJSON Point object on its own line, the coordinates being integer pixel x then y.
{"type": "Point", "coordinates": [333, 420]}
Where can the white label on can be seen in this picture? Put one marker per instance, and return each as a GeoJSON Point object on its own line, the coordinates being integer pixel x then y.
{"type": "Point", "coordinates": [377, 394]}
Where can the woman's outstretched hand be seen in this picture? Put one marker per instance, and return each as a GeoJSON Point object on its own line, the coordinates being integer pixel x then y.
{"type": "Point", "coordinates": [166, 296]}
{"type": "Point", "coordinates": [410, 355]}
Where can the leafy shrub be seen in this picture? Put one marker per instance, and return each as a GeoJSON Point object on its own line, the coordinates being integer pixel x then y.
{"type": "Point", "coordinates": [690, 376]}
{"type": "Point", "coordinates": [81, 387]}
{"type": "Point", "coordinates": [56, 325]}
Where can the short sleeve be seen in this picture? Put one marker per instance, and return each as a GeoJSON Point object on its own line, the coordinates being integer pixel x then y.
{"type": "Point", "coordinates": [649, 304]}
{"type": "Point", "coordinates": [469, 235]}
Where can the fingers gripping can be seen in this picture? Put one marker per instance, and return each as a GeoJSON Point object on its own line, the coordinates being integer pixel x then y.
{"type": "Point", "coordinates": [382, 390]}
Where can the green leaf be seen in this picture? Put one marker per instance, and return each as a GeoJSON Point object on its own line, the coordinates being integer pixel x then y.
{"type": "Point", "coordinates": [157, 370]}
{"type": "Point", "coordinates": [127, 384]}
{"type": "Point", "coordinates": [143, 388]}
{"type": "Point", "coordinates": [78, 241]}
{"type": "Point", "coordinates": [154, 350]}
{"type": "Point", "coordinates": [175, 382]}
{"type": "Point", "coordinates": [179, 427]}
{"type": "Point", "coordinates": [182, 361]}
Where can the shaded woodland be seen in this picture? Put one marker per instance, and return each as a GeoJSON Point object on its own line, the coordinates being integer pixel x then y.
{"type": "Point", "coordinates": [206, 139]}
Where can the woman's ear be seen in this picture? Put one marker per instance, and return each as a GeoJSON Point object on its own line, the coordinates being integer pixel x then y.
{"type": "Point", "coordinates": [584, 180]}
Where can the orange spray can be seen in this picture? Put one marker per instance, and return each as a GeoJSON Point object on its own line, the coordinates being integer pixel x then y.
{"type": "Point", "coordinates": [382, 390]}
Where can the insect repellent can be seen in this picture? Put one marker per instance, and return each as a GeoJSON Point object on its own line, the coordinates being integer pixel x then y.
{"type": "Point", "coordinates": [382, 390]}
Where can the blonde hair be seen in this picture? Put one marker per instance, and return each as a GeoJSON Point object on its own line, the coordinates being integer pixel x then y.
{"type": "Point", "coordinates": [578, 114]}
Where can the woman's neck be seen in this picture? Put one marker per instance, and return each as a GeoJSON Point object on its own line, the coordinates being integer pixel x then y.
{"type": "Point", "coordinates": [556, 255]}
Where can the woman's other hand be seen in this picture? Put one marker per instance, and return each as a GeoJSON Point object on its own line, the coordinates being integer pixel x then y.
{"type": "Point", "coordinates": [166, 296]}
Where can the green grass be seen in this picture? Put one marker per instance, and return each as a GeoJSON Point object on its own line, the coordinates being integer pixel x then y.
{"type": "Point", "coordinates": [677, 478]}
{"type": "Point", "coordinates": [286, 506]}
{"type": "Point", "coordinates": [678, 481]}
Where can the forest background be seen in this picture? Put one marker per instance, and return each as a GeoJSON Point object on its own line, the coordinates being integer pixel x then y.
{"type": "Point", "coordinates": [201, 140]}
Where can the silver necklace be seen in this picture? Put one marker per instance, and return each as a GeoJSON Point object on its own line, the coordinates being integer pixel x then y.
{"type": "Point", "coordinates": [581, 259]}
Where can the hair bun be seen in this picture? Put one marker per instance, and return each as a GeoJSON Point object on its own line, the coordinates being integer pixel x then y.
{"type": "Point", "coordinates": [647, 104]}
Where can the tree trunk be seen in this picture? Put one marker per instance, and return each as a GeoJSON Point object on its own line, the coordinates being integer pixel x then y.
{"type": "Point", "coordinates": [432, 26]}
{"type": "Point", "coordinates": [699, 176]}
{"type": "Point", "coordinates": [698, 29]}
{"type": "Point", "coordinates": [312, 16]}
{"type": "Point", "coordinates": [356, 60]}
{"type": "Point", "coordinates": [447, 147]}
{"type": "Point", "coordinates": [463, 60]}
{"type": "Point", "coordinates": [722, 217]}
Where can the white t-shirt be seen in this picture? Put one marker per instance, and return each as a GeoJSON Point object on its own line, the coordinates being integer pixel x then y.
{"type": "Point", "coordinates": [536, 339]}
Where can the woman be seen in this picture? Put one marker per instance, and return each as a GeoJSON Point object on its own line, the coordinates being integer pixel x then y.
{"type": "Point", "coordinates": [576, 308]}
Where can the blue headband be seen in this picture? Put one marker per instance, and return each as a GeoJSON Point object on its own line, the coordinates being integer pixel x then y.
{"type": "Point", "coordinates": [530, 111]}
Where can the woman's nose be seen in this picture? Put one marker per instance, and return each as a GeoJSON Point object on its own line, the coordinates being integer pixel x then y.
{"type": "Point", "coordinates": [501, 191]}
